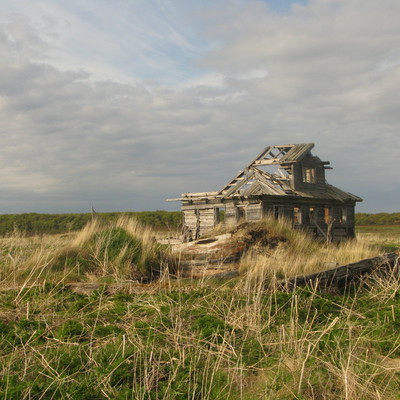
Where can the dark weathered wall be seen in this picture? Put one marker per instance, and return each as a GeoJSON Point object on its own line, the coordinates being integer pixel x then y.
{"type": "Point", "coordinates": [319, 217]}
{"type": "Point", "coordinates": [309, 162]}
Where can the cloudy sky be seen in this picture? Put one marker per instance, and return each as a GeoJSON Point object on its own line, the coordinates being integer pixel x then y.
{"type": "Point", "coordinates": [120, 104]}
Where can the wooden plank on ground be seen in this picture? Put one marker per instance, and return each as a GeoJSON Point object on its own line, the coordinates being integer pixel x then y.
{"type": "Point", "coordinates": [341, 277]}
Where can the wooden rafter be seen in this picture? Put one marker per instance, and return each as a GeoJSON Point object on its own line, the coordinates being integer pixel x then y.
{"type": "Point", "coordinates": [238, 183]}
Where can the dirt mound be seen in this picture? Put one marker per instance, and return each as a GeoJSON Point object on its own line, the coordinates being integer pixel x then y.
{"type": "Point", "coordinates": [217, 253]}
{"type": "Point", "coordinates": [254, 235]}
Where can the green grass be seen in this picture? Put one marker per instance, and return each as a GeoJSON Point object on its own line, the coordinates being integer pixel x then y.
{"type": "Point", "coordinates": [123, 250]}
{"type": "Point", "coordinates": [381, 229]}
{"type": "Point", "coordinates": [202, 343]}
{"type": "Point", "coordinates": [385, 238]}
{"type": "Point", "coordinates": [183, 339]}
{"type": "Point", "coordinates": [34, 223]}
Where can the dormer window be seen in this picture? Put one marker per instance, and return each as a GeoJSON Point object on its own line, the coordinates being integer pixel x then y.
{"type": "Point", "coordinates": [309, 175]}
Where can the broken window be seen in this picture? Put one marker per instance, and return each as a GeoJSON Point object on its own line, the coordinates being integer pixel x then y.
{"type": "Point", "coordinates": [279, 211]}
{"type": "Point", "coordinates": [311, 214]}
{"type": "Point", "coordinates": [342, 215]}
{"type": "Point", "coordinates": [297, 215]}
{"type": "Point", "coordinates": [240, 213]}
{"type": "Point", "coordinates": [309, 175]}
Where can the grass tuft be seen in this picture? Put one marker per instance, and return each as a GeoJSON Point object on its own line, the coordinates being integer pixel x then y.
{"type": "Point", "coordinates": [298, 254]}
{"type": "Point", "coordinates": [120, 251]}
{"type": "Point", "coordinates": [188, 339]}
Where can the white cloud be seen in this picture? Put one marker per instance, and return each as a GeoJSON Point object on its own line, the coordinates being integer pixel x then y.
{"type": "Point", "coordinates": [124, 107]}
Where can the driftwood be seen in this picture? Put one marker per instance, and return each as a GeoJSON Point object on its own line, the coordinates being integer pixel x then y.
{"type": "Point", "coordinates": [340, 278]}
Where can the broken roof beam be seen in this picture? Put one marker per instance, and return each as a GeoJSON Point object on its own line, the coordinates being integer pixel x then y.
{"type": "Point", "coordinates": [238, 185]}
{"type": "Point", "coordinates": [196, 196]}
{"type": "Point", "coordinates": [281, 175]}
{"type": "Point", "coordinates": [199, 194]}
{"type": "Point", "coordinates": [274, 179]}
{"type": "Point", "coordinates": [271, 161]}
{"type": "Point", "coordinates": [239, 177]}
{"type": "Point", "coordinates": [297, 152]}
{"type": "Point", "coordinates": [268, 152]}
{"type": "Point", "coordinates": [264, 178]}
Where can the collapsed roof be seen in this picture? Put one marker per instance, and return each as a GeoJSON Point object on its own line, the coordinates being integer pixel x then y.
{"type": "Point", "coordinates": [270, 174]}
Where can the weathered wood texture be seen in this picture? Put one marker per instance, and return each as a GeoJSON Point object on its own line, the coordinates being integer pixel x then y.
{"type": "Point", "coordinates": [206, 220]}
{"type": "Point", "coordinates": [341, 277]}
{"type": "Point", "coordinates": [295, 188]}
{"type": "Point", "coordinates": [311, 162]}
{"type": "Point", "coordinates": [230, 215]}
{"type": "Point", "coordinates": [254, 212]}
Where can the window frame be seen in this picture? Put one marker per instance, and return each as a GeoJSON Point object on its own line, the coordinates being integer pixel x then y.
{"type": "Point", "coordinates": [309, 175]}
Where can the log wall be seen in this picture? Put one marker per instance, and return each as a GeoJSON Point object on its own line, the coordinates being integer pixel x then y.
{"type": "Point", "coordinates": [230, 215]}
{"type": "Point", "coordinates": [254, 212]}
{"type": "Point", "coordinates": [190, 224]}
{"type": "Point", "coordinates": [309, 162]}
{"type": "Point", "coordinates": [206, 220]}
{"type": "Point", "coordinates": [328, 220]}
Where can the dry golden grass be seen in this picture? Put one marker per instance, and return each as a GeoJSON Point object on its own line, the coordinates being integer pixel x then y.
{"type": "Point", "coordinates": [27, 260]}
{"type": "Point", "coordinates": [301, 254]}
{"type": "Point", "coordinates": [23, 256]}
{"type": "Point", "coordinates": [234, 341]}
{"type": "Point", "coordinates": [97, 251]}
{"type": "Point", "coordinates": [382, 239]}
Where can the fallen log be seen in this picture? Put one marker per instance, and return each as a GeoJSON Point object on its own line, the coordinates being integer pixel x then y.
{"type": "Point", "coordinates": [340, 278]}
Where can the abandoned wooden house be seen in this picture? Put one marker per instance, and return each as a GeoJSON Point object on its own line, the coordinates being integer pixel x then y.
{"type": "Point", "coordinates": [285, 181]}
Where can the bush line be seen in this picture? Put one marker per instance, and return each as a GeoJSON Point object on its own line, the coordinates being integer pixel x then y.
{"type": "Point", "coordinates": [35, 223]}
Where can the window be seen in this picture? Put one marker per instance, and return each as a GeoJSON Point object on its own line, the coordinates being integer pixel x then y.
{"type": "Point", "coordinates": [309, 175]}
{"type": "Point", "coordinates": [311, 214]}
{"type": "Point", "coordinates": [279, 211]}
{"type": "Point", "coordinates": [218, 216]}
{"type": "Point", "coordinates": [342, 215]}
{"type": "Point", "coordinates": [240, 213]}
{"type": "Point", "coordinates": [297, 215]}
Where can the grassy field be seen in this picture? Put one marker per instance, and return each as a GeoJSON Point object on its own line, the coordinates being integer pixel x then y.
{"type": "Point", "coordinates": [183, 339]}
{"type": "Point", "coordinates": [383, 237]}
{"type": "Point", "coordinates": [379, 229]}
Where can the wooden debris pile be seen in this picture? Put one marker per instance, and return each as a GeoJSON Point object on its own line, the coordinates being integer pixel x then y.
{"type": "Point", "coordinates": [219, 253]}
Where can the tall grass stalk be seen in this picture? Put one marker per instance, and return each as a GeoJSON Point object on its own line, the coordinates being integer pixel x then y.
{"type": "Point", "coordinates": [300, 254]}
{"type": "Point", "coordinates": [120, 251]}
{"type": "Point", "coordinates": [242, 340]}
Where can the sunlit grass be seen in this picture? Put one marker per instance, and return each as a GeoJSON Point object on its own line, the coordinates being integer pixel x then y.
{"type": "Point", "coordinates": [118, 251]}
{"type": "Point", "coordinates": [301, 254]}
{"type": "Point", "coordinates": [206, 343]}
{"type": "Point", "coordinates": [194, 339]}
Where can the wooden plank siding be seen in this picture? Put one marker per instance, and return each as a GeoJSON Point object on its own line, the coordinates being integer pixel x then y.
{"type": "Point", "coordinates": [190, 224]}
{"type": "Point", "coordinates": [295, 189]}
{"type": "Point", "coordinates": [230, 215]}
{"type": "Point", "coordinates": [254, 212]}
{"type": "Point", "coordinates": [298, 174]}
{"type": "Point", "coordinates": [206, 220]}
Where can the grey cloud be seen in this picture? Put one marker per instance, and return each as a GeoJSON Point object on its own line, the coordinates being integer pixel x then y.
{"type": "Point", "coordinates": [329, 81]}
{"type": "Point", "coordinates": [333, 78]}
{"type": "Point", "coordinates": [66, 138]}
